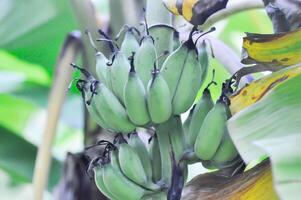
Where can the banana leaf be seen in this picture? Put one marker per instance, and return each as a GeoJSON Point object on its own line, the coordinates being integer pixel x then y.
{"type": "Point", "coordinates": [252, 93]}
{"type": "Point", "coordinates": [272, 126]}
{"type": "Point", "coordinates": [282, 49]}
{"type": "Point", "coordinates": [17, 159]}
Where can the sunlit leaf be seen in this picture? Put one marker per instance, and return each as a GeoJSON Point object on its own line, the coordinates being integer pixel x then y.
{"type": "Point", "coordinates": [14, 113]}
{"type": "Point", "coordinates": [259, 88]}
{"type": "Point", "coordinates": [17, 158]}
{"type": "Point", "coordinates": [283, 49]}
{"type": "Point", "coordinates": [34, 30]}
{"type": "Point", "coordinates": [29, 72]}
{"type": "Point", "coordinates": [271, 126]}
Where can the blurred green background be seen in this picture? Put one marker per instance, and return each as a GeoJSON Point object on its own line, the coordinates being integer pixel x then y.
{"type": "Point", "coordinates": [32, 33]}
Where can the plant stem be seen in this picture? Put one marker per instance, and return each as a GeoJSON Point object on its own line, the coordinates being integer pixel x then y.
{"type": "Point", "coordinates": [232, 8]}
{"type": "Point", "coordinates": [68, 54]}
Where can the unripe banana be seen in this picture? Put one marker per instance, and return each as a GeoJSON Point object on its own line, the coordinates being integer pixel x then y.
{"type": "Point", "coordinates": [98, 177]}
{"type": "Point", "coordinates": [187, 121]}
{"type": "Point", "coordinates": [158, 99]}
{"type": "Point", "coordinates": [145, 58]}
{"type": "Point", "coordinates": [111, 109]}
{"type": "Point", "coordinates": [226, 151]}
{"type": "Point", "coordinates": [135, 99]}
{"type": "Point", "coordinates": [154, 153]}
{"type": "Point", "coordinates": [203, 58]}
{"type": "Point", "coordinates": [211, 132]}
{"type": "Point", "coordinates": [131, 164]}
{"type": "Point", "coordinates": [118, 74]}
{"type": "Point", "coordinates": [92, 108]}
{"type": "Point", "coordinates": [165, 152]}
{"type": "Point", "coordinates": [176, 135]}
{"type": "Point", "coordinates": [119, 185]}
{"type": "Point", "coordinates": [183, 74]}
{"type": "Point", "coordinates": [173, 66]}
{"type": "Point", "coordinates": [136, 143]}
{"type": "Point", "coordinates": [163, 36]}
{"type": "Point", "coordinates": [101, 67]}
{"type": "Point", "coordinates": [188, 85]}
{"type": "Point", "coordinates": [201, 110]}
{"type": "Point", "coordinates": [130, 43]}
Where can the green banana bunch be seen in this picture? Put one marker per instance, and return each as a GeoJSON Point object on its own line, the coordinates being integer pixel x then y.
{"type": "Point", "coordinates": [113, 112]}
{"type": "Point", "coordinates": [200, 112]}
{"type": "Point", "coordinates": [211, 132]}
{"type": "Point", "coordinates": [129, 43]}
{"type": "Point", "coordinates": [155, 156]}
{"type": "Point", "coordinates": [158, 98]}
{"type": "Point", "coordinates": [117, 74]}
{"type": "Point", "coordinates": [132, 167]}
{"type": "Point", "coordinates": [137, 144]}
{"type": "Point", "coordinates": [135, 98]}
{"type": "Point", "coordinates": [144, 59]}
{"type": "Point", "coordinates": [183, 74]}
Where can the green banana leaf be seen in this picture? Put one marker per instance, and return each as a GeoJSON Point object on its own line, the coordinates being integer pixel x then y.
{"type": "Point", "coordinates": [272, 126]}
{"type": "Point", "coordinates": [17, 158]}
{"type": "Point", "coordinates": [34, 30]}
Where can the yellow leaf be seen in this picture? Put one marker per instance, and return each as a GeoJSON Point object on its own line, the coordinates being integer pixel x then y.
{"type": "Point", "coordinates": [283, 49]}
{"type": "Point", "coordinates": [256, 90]}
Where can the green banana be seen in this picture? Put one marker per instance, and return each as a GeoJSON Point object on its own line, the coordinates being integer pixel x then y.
{"type": "Point", "coordinates": [118, 74]}
{"type": "Point", "coordinates": [92, 109]}
{"type": "Point", "coordinates": [144, 59]}
{"type": "Point", "coordinates": [187, 121]}
{"type": "Point", "coordinates": [154, 153]}
{"type": "Point", "coordinates": [226, 151]}
{"type": "Point", "coordinates": [158, 98]}
{"type": "Point", "coordinates": [130, 43]}
{"type": "Point", "coordinates": [163, 36]}
{"type": "Point", "coordinates": [176, 135]}
{"type": "Point", "coordinates": [136, 143]}
{"type": "Point", "coordinates": [101, 60]}
{"type": "Point", "coordinates": [132, 167]}
{"type": "Point", "coordinates": [211, 132]}
{"type": "Point", "coordinates": [203, 58]}
{"type": "Point", "coordinates": [135, 98]}
{"type": "Point", "coordinates": [188, 85]}
{"type": "Point", "coordinates": [183, 74]}
{"type": "Point", "coordinates": [98, 178]}
{"type": "Point", "coordinates": [111, 109]}
{"type": "Point", "coordinates": [101, 67]}
{"type": "Point", "coordinates": [173, 66]}
{"type": "Point", "coordinates": [119, 185]}
{"type": "Point", "coordinates": [201, 110]}
{"type": "Point", "coordinates": [165, 150]}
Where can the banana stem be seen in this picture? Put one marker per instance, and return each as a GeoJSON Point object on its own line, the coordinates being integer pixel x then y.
{"type": "Point", "coordinates": [69, 52]}
{"type": "Point", "coordinates": [165, 151]}
{"type": "Point", "coordinates": [232, 8]}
